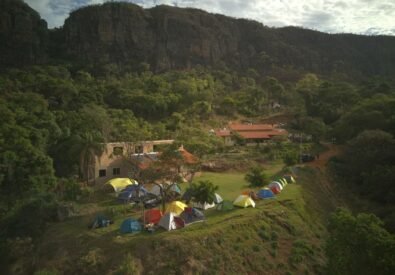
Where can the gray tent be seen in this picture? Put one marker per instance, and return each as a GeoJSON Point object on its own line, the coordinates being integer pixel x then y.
{"type": "Point", "coordinates": [192, 215]}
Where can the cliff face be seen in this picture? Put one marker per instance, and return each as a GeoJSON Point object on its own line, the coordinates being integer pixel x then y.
{"type": "Point", "coordinates": [163, 36]}
{"type": "Point", "coordinates": [23, 35]}
{"type": "Point", "coordinates": [174, 38]}
{"type": "Point", "coordinates": [169, 38]}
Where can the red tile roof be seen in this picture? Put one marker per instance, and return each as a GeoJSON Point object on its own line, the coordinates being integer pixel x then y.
{"type": "Point", "coordinates": [188, 157]}
{"type": "Point", "coordinates": [254, 135]}
{"type": "Point", "coordinates": [250, 127]}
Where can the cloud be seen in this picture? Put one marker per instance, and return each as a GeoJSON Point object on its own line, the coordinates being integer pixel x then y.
{"type": "Point", "coordinates": [354, 16]}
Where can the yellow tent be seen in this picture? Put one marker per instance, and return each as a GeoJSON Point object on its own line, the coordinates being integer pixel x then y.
{"type": "Point", "coordinates": [120, 183]}
{"type": "Point", "coordinates": [244, 201]}
{"type": "Point", "coordinates": [175, 207]}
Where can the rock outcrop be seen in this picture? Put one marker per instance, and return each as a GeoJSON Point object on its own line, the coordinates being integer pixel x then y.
{"type": "Point", "coordinates": [175, 38]}
{"type": "Point", "coordinates": [23, 35]}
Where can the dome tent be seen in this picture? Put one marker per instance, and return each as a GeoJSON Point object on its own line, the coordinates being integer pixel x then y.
{"type": "Point", "coordinates": [265, 193]}
{"type": "Point", "coordinates": [118, 184]}
{"type": "Point", "coordinates": [171, 222]}
{"type": "Point", "coordinates": [130, 226]}
{"type": "Point", "coordinates": [244, 201]}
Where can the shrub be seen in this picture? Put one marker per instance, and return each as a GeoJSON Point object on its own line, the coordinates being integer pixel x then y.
{"type": "Point", "coordinates": [256, 177]}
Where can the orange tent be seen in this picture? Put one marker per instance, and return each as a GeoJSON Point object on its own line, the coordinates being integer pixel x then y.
{"type": "Point", "coordinates": [153, 216]}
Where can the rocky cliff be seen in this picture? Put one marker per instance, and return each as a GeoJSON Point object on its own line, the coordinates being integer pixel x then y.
{"type": "Point", "coordinates": [23, 35]}
{"type": "Point", "coordinates": [168, 37]}
{"type": "Point", "coordinates": [175, 38]}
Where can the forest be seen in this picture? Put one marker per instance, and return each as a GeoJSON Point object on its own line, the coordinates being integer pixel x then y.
{"type": "Point", "coordinates": [55, 111]}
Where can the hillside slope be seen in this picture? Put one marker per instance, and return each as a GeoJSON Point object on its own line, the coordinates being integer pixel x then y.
{"type": "Point", "coordinates": [280, 236]}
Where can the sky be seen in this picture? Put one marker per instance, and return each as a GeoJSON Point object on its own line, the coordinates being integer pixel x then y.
{"type": "Point", "coordinates": [369, 17]}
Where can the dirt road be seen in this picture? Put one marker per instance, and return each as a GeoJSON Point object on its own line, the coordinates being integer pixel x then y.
{"type": "Point", "coordinates": [321, 162]}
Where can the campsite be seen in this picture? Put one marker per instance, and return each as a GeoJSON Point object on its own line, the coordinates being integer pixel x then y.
{"type": "Point", "coordinates": [279, 215]}
{"type": "Point", "coordinates": [197, 137]}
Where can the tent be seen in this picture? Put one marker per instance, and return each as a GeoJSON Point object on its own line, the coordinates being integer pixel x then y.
{"type": "Point", "coordinates": [225, 206]}
{"type": "Point", "coordinates": [289, 179]}
{"type": "Point", "coordinates": [265, 193]}
{"type": "Point", "coordinates": [275, 189]}
{"type": "Point", "coordinates": [175, 207]}
{"type": "Point", "coordinates": [153, 216]}
{"type": "Point", "coordinates": [244, 201]}
{"type": "Point", "coordinates": [275, 183]}
{"type": "Point", "coordinates": [217, 198]}
{"type": "Point", "coordinates": [130, 226]}
{"type": "Point", "coordinates": [191, 215]}
{"type": "Point", "coordinates": [170, 222]}
{"type": "Point", "coordinates": [100, 221]}
{"type": "Point", "coordinates": [118, 184]}
{"type": "Point", "coordinates": [155, 189]}
{"type": "Point", "coordinates": [132, 193]}
{"type": "Point", "coordinates": [203, 206]}
{"type": "Point", "coordinates": [282, 181]}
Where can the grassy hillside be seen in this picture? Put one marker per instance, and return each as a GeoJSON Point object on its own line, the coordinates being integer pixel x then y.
{"type": "Point", "coordinates": [280, 236]}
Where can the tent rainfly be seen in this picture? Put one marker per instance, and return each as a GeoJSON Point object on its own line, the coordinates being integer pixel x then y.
{"type": "Point", "coordinates": [244, 201]}
{"type": "Point", "coordinates": [175, 207]}
{"type": "Point", "coordinates": [192, 215]}
{"type": "Point", "coordinates": [120, 183]}
{"type": "Point", "coordinates": [265, 193]}
{"type": "Point", "coordinates": [225, 206]}
{"type": "Point", "coordinates": [130, 226]}
{"type": "Point", "coordinates": [276, 184]}
{"type": "Point", "coordinates": [153, 216]}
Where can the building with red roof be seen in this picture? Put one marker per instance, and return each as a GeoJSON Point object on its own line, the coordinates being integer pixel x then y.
{"type": "Point", "coordinates": [252, 133]}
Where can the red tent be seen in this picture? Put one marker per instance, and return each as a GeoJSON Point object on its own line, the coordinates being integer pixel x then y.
{"type": "Point", "coordinates": [275, 189]}
{"type": "Point", "coordinates": [153, 216]}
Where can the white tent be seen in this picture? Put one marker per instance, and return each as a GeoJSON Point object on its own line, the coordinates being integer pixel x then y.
{"type": "Point", "coordinates": [217, 199]}
{"type": "Point", "coordinates": [170, 222]}
{"type": "Point", "coordinates": [203, 206]}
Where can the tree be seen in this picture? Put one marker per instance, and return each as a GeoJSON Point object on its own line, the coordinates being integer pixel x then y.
{"type": "Point", "coordinates": [359, 245]}
{"type": "Point", "coordinates": [256, 177]}
{"type": "Point", "coordinates": [91, 145]}
{"type": "Point", "coordinates": [203, 191]}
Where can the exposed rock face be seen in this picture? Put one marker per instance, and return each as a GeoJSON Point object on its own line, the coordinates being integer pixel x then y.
{"type": "Point", "coordinates": [168, 38]}
{"type": "Point", "coordinates": [23, 35]}
{"type": "Point", "coordinates": [174, 38]}
{"type": "Point", "coordinates": [165, 37]}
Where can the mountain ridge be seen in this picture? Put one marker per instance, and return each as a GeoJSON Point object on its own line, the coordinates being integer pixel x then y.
{"type": "Point", "coordinates": [168, 38]}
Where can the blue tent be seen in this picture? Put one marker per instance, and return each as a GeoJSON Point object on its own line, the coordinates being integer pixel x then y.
{"type": "Point", "coordinates": [130, 226]}
{"type": "Point", "coordinates": [132, 193]}
{"type": "Point", "coordinates": [265, 194]}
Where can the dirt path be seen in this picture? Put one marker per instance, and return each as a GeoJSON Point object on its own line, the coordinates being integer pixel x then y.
{"type": "Point", "coordinates": [326, 186]}
{"type": "Point", "coordinates": [321, 162]}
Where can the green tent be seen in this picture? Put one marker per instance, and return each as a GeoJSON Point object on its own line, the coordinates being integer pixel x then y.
{"type": "Point", "coordinates": [225, 206]}
{"type": "Point", "coordinates": [283, 182]}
